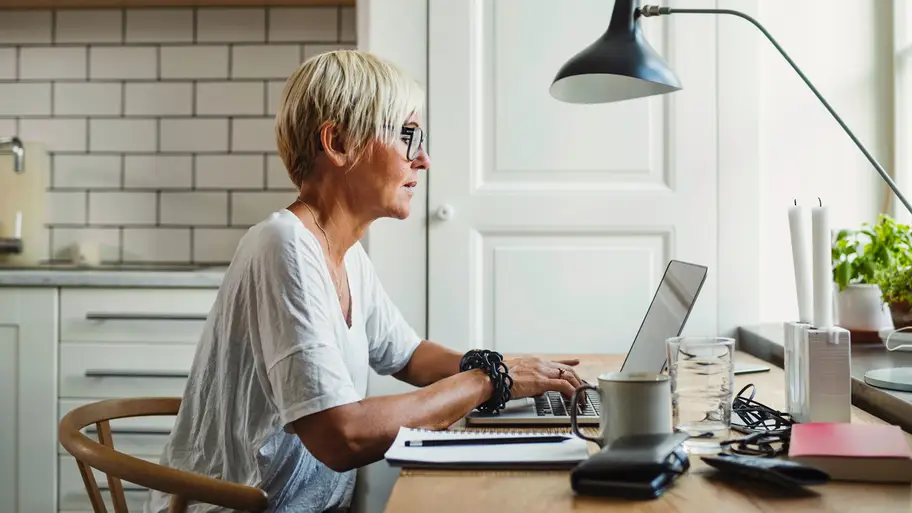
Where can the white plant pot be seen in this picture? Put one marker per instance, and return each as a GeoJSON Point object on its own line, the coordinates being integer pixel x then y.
{"type": "Point", "coordinates": [861, 307]}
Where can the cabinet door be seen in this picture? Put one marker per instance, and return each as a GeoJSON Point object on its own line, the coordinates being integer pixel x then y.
{"type": "Point", "coordinates": [28, 424]}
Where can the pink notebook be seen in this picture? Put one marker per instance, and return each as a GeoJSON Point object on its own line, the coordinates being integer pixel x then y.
{"type": "Point", "coordinates": [853, 452]}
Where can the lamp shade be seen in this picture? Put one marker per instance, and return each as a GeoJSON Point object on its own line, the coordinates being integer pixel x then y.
{"type": "Point", "coordinates": [620, 65]}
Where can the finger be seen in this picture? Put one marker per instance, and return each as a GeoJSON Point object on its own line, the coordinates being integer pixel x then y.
{"type": "Point", "coordinates": [573, 361]}
{"type": "Point", "coordinates": [569, 375]}
{"type": "Point", "coordinates": [561, 385]}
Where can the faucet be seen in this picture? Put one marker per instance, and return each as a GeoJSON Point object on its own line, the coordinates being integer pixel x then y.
{"type": "Point", "coordinates": [17, 150]}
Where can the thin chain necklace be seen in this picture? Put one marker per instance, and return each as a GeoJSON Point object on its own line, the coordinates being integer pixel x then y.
{"type": "Point", "coordinates": [336, 281]}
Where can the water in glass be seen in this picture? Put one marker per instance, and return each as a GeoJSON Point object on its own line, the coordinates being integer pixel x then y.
{"type": "Point", "coordinates": [702, 372]}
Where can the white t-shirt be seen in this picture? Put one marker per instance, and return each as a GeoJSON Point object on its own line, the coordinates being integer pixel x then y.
{"type": "Point", "coordinates": [275, 348]}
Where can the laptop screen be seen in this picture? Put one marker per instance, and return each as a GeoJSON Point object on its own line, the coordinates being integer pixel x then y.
{"type": "Point", "coordinates": [666, 316]}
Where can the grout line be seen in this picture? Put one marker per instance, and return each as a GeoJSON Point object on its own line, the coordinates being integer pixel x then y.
{"type": "Point", "coordinates": [265, 97]}
{"type": "Point", "coordinates": [192, 241]}
{"type": "Point", "coordinates": [338, 24]}
{"type": "Point", "coordinates": [265, 171]}
{"type": "Point", "coordinates": [88, 63]}
{"type": "Point", "coordinates": [123, 171]}
{"type": "Point", "coordinates": [87, 203]}
{"type": "Point", "coordinates": [120, 243]}
{"type": "Point", "coordinates": [195, 26]}
{"type": "Point", "coordinates": [18, 62]}
{"type": "Point", "coordinates": [193, 172]}
{"type": "Point", "coordinates": [193, 100]}
{"type": "Point", "coordinates": [53, 87]}
{"type": "Point", "coordinates": [230, 197]}
{"type": "Point", "coordinates": [158, 202]}
{"type": "Point", "coordinates": [158, 137]}
{"type": "Point", "coordinates": [88, 135]}
{"type": "Point", "coordinates": [123, 26]}
{"type": "Point", "coordinates": [158, 63]}
{"type": "Point", "coordinates": [230, 134]}
{"type": "Point", "coordinates": [123, 98]}
{"type": "Point", "coordinates": [51, 172]}
{"type": "Point", "coordinates": [230, 60]}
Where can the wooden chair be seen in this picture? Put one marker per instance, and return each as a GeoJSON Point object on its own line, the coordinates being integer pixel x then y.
{"type": "Point", "coordinates": [183, 486]}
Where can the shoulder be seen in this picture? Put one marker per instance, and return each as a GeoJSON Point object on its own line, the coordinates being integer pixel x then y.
{"type": "Point", "coordinates": [278, 244]}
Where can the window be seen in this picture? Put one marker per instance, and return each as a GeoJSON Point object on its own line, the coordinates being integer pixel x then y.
{"type": "Point", "coordinates": [902, 139]}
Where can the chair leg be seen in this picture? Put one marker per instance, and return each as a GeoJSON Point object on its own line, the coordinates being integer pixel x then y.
{"type": "Point", "coordinates": [178, 504]}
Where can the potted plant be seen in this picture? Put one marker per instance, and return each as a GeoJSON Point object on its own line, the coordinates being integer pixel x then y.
{"type": "Point", "coordinates": [896, 286]}
{"type": "Point", "coordinates": [859, 258]}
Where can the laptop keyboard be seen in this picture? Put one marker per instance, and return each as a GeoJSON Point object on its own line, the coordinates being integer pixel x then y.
{"type": "Point", "coordinates": [553, 404]}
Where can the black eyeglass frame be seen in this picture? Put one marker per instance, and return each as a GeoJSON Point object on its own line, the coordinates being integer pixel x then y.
{"type": "Point", "coordinates": [411, 152]}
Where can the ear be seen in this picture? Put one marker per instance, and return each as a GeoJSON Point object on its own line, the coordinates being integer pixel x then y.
{"type": "Point", "coordinates": [333, 143]}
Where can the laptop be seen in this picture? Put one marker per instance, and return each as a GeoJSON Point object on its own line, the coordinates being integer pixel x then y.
{"type": "Point", "coordinates": [671, 305]}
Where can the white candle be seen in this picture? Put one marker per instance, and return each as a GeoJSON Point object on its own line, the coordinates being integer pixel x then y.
{"type": "Point", "coordinates": [17, 227]}
{"type": "Point", "coordinates": [823, 274]}
{"type": "Point", "coordinates": [801, 259]}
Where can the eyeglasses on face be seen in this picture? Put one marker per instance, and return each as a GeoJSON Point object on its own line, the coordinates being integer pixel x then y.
{"type": "Point", "coordinates": [413, 137]}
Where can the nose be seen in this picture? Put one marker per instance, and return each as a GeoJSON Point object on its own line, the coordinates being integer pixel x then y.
{"type": "Point", "coordinates": [423, 160]}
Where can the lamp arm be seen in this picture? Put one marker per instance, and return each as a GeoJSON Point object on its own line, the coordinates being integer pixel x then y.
{"type": "Point", "coordinates": [651, 10]}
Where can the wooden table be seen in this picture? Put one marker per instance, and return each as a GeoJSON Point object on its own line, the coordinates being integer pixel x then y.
{"type": "Point", "coordinates": [462, 491]}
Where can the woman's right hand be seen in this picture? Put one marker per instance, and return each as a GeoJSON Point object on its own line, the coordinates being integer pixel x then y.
{"type": "Point", "coordinates": [534, 376]}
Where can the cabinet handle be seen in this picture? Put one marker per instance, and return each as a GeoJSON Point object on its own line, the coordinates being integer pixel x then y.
{"type": "Point", "coordinates": [131, 431]}
{"type": "Point", "coordinates": [96, 316]}
{"type": "Point", "coordinates": [104, 488]}
{"type": "Point", "coordinates": [135, 374]}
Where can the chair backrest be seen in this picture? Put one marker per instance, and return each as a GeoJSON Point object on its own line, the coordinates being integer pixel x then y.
{"type": "Point", "coordinates": [183, 486]}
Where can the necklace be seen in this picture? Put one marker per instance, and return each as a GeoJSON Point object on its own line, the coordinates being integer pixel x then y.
{"type": "Point", "coordinates": [336, 281]}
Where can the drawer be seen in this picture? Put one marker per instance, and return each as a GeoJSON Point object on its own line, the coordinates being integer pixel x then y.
{"type": "Point", "coordinates": [136, 436]}
{"type": "Point", "coordinates": [71, 492]}
{"type": "Point", "coordinates": [99, 371]}
{"type": "Point", "coordinates": [134, 315]}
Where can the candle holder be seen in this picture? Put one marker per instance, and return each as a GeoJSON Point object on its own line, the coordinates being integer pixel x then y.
{"type": "Point", "coordinates": [818, 373]}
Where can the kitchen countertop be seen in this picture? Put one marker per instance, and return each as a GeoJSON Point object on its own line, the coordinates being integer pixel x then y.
{"type": "Point", "coordinates": [766, 342]}
{"type": "Point", "coordinates": [114, 275]}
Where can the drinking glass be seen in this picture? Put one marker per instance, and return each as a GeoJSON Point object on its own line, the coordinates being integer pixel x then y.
{"type": "Point", "coordinates": [702, 372]}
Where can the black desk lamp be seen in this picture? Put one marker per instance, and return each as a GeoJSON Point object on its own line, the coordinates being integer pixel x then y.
{"type": "Point", "coordinates": [620, 65]}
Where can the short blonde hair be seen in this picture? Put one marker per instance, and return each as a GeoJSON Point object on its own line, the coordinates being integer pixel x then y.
{"type": "Point", "coordinates": [366, 97]}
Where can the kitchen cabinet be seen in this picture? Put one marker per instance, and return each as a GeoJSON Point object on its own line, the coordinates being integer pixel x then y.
{"type": "Point", "coordinates": [68, 338]}
{"type": "Point", "coordinates": [89, 4]}
{"type": "Point", "coordinates": [28, 398]}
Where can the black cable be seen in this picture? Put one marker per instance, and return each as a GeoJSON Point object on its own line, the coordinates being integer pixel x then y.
{"type": "Point", "coordinates": [771, 428]}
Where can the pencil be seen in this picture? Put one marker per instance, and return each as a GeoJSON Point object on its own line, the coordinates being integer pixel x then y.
{"type": "Point", "coordinates": [488, 441]}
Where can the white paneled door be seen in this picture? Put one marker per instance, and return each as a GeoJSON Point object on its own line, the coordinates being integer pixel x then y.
{"type": "Point", "coordinates": [550, 224]}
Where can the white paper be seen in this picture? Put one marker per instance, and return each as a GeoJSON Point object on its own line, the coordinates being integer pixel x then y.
{"type": "Point", "coordinates": [570, 451]}
{"type": "Point", "coordinates": [17, 227]}
{"type": "Point", "coordinates": [801, 260]}
{"type": "Point", "coordinates": [823, 273]}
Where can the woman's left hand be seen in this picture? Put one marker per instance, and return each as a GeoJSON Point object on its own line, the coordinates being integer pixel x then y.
{"type": "Point", "coordinates": [534, 376]}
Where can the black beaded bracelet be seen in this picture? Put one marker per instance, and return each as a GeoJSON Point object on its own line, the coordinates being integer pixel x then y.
{"type": "Point", "coordinates": [492, 363]}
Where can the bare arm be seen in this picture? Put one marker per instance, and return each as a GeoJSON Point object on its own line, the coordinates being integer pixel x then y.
{"type": "Point", "coordinates": [356, 434]}
{"type": "Point", "coordinates": [430, 363]}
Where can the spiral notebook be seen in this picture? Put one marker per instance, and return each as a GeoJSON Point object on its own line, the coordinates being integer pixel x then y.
{"type": "Point", "coordinates": [553, 455]}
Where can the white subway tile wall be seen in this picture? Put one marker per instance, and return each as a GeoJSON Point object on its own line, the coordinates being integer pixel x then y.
{"type": "Point", "coordinates": [159, 122]}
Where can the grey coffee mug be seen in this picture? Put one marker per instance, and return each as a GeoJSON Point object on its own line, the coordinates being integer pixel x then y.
{"type": "Point", "coordinates": [632, 403]}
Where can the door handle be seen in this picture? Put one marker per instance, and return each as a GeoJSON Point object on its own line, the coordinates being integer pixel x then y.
{"type": "Point", "coordinates": [91, 373]}
{"type": "Point", "coordinates": [92, 316]}
{"type": "Point", "coordinates": [445, 212]}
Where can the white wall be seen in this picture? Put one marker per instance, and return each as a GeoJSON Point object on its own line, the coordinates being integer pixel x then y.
{"type": "Point", "coordinates": [159, 122]}
{"type": "Point", "coordinates": [844, 47]}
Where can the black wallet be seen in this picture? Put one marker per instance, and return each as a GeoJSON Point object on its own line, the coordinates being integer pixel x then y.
{"type": "Point", "coordinates": [784, 474]}
{"type": "Point", "coordinates": [633, 467]}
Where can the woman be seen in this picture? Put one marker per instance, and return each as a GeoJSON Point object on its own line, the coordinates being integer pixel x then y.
{"type": "Point", "coordinates": [276, 396]}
